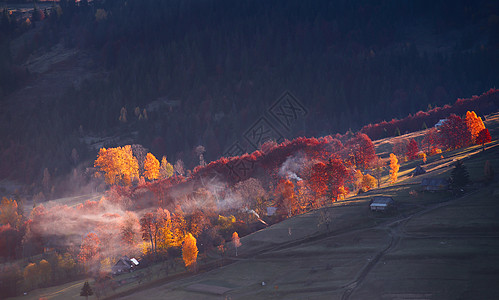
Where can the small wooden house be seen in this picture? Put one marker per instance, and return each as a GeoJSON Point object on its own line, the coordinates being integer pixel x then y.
{"type": "Point", "coordinates": [418, 171]}
{"type": "Point", "coordinates": [435, 184]}
{"type": "Point", "coordinates": [381, 203]}
{"type": "Point", "coordinates": [124, 265]}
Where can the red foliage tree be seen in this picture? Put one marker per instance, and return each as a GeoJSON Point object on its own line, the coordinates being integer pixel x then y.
{"type": "Point", "coordinates": [483, 137]}
{"type": "Point", "coordinates": [361, 150]}
{"type": "Point", "coordinates": [483, 104]}
{"type": "Point", "coordinates": [430, 139]}
{"type": "Point", "coordinates": [454, 133]}
{"type": "Point", "coordinates": [412, 149]}
{"type": "Point", "coordinates": [327, 179]}
{"type": "Point", "coordinates": [90, 249]}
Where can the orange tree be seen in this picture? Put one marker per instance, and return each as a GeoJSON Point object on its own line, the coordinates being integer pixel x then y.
{"type": "Point", "coordinates": [286, 201]}
{"type": "Point", "coordinates": [151, 166]}
{"type": "Point", "coordinates": [474, 124]}
{"type": "Point", "coordinates": [190, 251]}
{"type": "Point", "coordinates": [394, 168]}
{"type": "Point", "coordinates": [118, 165]}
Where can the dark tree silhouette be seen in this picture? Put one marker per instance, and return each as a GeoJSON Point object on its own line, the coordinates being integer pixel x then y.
{"type": "Point", "coordinates": [459, 176]}
{"type": "Point", "coordinates": [86, 290]}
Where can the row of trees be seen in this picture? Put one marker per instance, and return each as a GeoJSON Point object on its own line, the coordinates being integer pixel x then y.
{"type": "Point", "coordinates": [120, 166]}
{"type": "Point", "coordinates": [483, 104]}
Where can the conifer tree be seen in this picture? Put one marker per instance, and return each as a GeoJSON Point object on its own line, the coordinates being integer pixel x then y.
{"type": "Point", "coordinates": [86, 290]}
{"type": "Point", "coordinates": [459, 175]}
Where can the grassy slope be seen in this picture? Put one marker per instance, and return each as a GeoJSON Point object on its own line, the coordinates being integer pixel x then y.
{"type": "Point", "coordinates": [436, 246]}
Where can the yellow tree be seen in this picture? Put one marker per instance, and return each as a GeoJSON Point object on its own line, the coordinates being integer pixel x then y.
{"type": "Point", "coordinates": [45, 271]}
{"type": "Point", "coordinates": [358, 177]}
{"type": "Point", "coordinates": [166, 169]}
{"type": "Point", "coordinates": [368, 182]}
{"type": "Point", "coordinates": [394, 168]}
{"type": "Point", "coordinates": [151, 166]}
{"type": "Point", "coordinates": [190, 251]}
{"type": "Point", "coordinates": [31, 274]}
{"type": "Point", "coordinates": [118, 165]}
{"type": "Point", "coordinates": [236, 240]}
{"type": "Point", "coordinates": [9, 213]}
{"type": "Point", "coordinates": [474, 124]}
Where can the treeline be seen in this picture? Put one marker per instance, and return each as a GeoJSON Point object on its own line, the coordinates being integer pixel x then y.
{"type": "Point", "coordinates": [484, 104]}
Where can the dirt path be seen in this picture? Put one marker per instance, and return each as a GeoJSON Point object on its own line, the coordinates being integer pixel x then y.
{"type": "Point", "coordinates": [396, 232]}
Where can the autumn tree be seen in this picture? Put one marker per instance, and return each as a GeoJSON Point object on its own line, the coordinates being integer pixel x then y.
{"type": "Point", "coordinates": [118, 165]}
{"type": "Point", "coordinates": [65, 265]}
{"type": "Point", "coordinates": [179, 228]}
{"type": "Point", "coordinates": [412, 149]}
{"type": "Point", "coordinates": [130, 228]}
{"type": "Point", "coordinates": [179, 167]}
{"type": "Point", "coordinates": [89, 249]}
{"type": "Point", "coordinates": [45, 271]}
{"type": "Point", "coordinates": [483, 138]}
{"type": "Point", "coordinates": [454, 133]}
{"type": "Point", "coordinates": [150, 225]}
{"type": "Point", "coordinates": [430, 139]}
{"type": "Point", "coordinates": [361, 150]}
{"type": "Point", "coordinates": [327, 179]}
{"type": "Point", "coordinates": [368, 182]}
{"type": "Point", "coordinates": [357, 182]}
{"type": "Point", "coordinates": [31, 275]}
{"type": "Point", "coordinates": [400, 148]}
{"type": "Point", "coordinates": [190, 251]}
{"type": "Point", "coordinates": [474, 124]}
{"type": "Point", "coordinates": [12, 228]}
{"type": "Point", "coordinates": [151, 167]}
{"type": "Point", "coordinates": [9, 213]}
{"type": "Point", "coordinates": [378, 166]}
{"type": "Point", "coordinates": [166, 169]}
{"type": "Point", "coordinates": [286, 201]}
{"type": "Point", "coordinates": [394, 168]}
{"type": "Point", "coordinates": [236, 241]}
{"type": "Point", "coordinates": [319, 179]}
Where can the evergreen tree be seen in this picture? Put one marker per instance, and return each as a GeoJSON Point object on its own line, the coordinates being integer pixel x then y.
{"type": "Point", "coordinates": [86, 290]}
{"type": "Point", "coordinates": [459, 176]}
{"type": "Point", "coordinates": [397, 131]}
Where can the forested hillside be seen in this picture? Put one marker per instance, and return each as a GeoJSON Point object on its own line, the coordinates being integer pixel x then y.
{"type": "Point", "coordinates": [221, 64]}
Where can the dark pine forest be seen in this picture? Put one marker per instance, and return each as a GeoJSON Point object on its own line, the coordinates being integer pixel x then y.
{"type": "Point", "coordinates": [223, 63]}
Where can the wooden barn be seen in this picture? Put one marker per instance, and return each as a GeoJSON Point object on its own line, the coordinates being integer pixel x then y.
{"type": "Point", "coordinates": [381, 203]}
{"type": "Point", "coordinates": [124, 265]}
